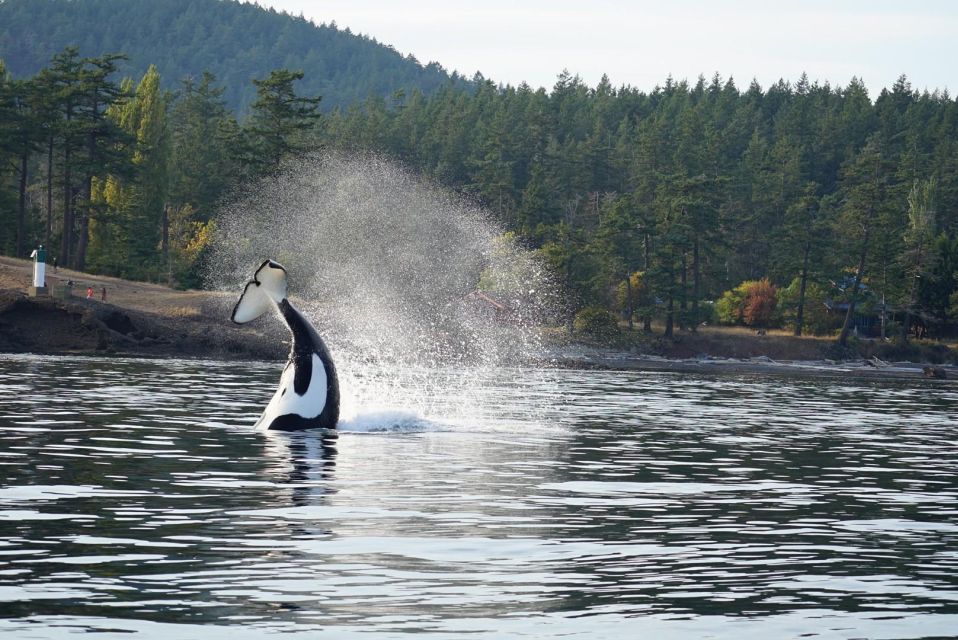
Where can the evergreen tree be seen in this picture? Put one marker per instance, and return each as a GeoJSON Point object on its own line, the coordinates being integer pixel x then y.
{"type": "Point", "coordinates": [918, 237]}
{"type": "Point", "coordinates": [865, 186]}
{"type": "Point", "coordinates": [618, 245]}
{"type": "Point", "coordinates": [204, 137]}
{"type": "Point", "coordinates": [102, 141]}
{"type": "Point", "coordinates": [9, 130]}
{"type": "Point", "coordinates": [803, 232]}
{"type": "Point", "coordinates": [280, 118]}
{"type": "Point", "coordinates": [127, 236]}
{"type": "Point", "coordinates": [65, 78]}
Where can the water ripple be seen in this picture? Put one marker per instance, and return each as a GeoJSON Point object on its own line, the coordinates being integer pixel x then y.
{"type": "Point", "coordinates": [575, 504]}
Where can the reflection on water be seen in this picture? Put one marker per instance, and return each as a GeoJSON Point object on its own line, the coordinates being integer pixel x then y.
{"type": "Point", "coordinates": [134, 498]}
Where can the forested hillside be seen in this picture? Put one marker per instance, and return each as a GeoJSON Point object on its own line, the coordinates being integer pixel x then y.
{"type": "Point", "coordinates": [235, 41]}
{"type": "Point", "coordinates": [804, 205]}
{"type": "Point", "coordinates": [656, 205]}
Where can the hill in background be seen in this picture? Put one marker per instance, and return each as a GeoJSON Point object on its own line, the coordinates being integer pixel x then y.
{"type": "Point", "coordinates": [235, 41]}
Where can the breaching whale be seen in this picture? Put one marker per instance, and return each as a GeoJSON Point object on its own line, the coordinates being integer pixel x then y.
{"type": "Point", "coordinates": [308, 393]}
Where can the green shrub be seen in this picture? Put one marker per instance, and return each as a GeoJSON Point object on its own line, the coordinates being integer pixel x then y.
{"type": "Point", "coordinates": [708, 312]}
{"type": "Point", "coordinates": [596, 322]}
{"type": "Point", "coordinates": [815, 318]}
{"type": "Point", "coordinates": [729, 306]}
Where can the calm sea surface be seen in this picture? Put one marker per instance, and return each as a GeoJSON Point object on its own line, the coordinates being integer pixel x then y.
{"type": "Point", "coordinates": [135, 501]}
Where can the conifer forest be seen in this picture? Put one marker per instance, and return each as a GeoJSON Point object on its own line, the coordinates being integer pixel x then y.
{"type": "Point", "coordinates": [822, 209]}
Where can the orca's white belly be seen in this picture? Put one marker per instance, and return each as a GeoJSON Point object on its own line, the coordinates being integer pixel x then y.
{"type": "Point", "coordinates": [286, 401]}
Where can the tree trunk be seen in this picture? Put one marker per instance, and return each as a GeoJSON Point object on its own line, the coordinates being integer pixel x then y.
{"type": "Point", "coordinates": [83, 239]}
{"type": "Point", "coordinates": [66, 238]}
{"type": "Point", "coordinates": [683, 297]}
{"type": "Point", "coordinates": [570, 315]}
{"type": "Point", "coordinates": [647, 317]}
{"type": "Point", "coordinates": [905, 326]}
{"type": "Point", "coordinates": [49, 230]}
{"type": "Point", "coordinates": [912, 300]}
{"type": "Point", "coordinates": [670, 318]}
{"type": "Point", "coordinates": [846, 326]}
{"type": "Point", "coordinates": [629, 309]}
{"type": "Point", "coordinates": [22, 207]}
{"type": "Point", "coordinates": [696, 284]}
{"type": "Point", "coordinates": [165, 245]}
{"type": "Point", "coordinates": [670, 308]}
{"type": "Point", "coordinates": [800, 316]}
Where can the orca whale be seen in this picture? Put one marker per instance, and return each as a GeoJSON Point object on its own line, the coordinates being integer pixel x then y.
{"type": "Point", "coordinates": [308, 392]}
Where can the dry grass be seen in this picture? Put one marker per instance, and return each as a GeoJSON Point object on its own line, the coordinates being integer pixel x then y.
{"type": "Point", "coordinates": [182, 312]}
{"type": "Point", "coordinates": [142, 296]}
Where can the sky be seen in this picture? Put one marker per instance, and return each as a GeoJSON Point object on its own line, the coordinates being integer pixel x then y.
{"type": "Point", "coordinates": [640, 43]}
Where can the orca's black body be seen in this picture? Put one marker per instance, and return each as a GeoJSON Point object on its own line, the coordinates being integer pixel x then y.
{"type": "Point", "coordinates": [308, 393]}
{"type": "Point", "coordinates": [306, 343]}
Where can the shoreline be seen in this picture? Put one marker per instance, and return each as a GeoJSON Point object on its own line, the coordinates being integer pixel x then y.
{"type": "Point", "coordinates": [810, 369]}
{"type": "Point", "coordinates": [83, 327]}
{"type": "Point", "coordinates": [763, 366]}
{"type": "Point", "coordinates": [143, 320]}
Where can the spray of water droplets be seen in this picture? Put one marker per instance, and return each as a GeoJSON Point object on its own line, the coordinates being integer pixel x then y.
{"type": "Point", "coordinates": [397, 274]}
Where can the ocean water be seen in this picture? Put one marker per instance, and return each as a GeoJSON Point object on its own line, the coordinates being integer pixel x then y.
{"type": "Point", "coordinates": [137, 502]}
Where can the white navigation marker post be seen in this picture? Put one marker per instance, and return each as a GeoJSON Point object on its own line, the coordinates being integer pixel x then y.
{"type": "Point", "coordinates": [39, 287]}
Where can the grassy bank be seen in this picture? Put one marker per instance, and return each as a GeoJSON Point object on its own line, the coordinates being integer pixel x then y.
{"type": "Point", "coordinates": [123, 318]}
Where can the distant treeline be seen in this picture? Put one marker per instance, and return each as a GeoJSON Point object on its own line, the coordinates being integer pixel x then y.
{"type": "Point", "coordinates": [236, 41]}
{"type": "Point", "coordinates": [649, 206]}
{"type": "Point", "coordinates": [655, 204]}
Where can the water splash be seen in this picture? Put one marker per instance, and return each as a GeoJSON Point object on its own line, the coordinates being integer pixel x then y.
{"type": "Point", "coordinates": [395, 272]}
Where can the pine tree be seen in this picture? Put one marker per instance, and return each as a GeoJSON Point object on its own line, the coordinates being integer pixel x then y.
{"type": "Point", "coordinates": [103, 141]}
{"type": "Point", "coordinates": [64, 79]}
{"type": "Point", "coordinates": [203, 138]}
{"type": "Point", "coordinates": [129, 236]}
{"type": "Point", "coordinates": [9, 126]}
{"type": "Point", "coordinates": [865, 187]}
{"type": "Point", "coordinates": [918, 237]}
{"type": "Point", "coordinates": [280, 118]}
{"type": "Point", "coordinates": [802, 235]}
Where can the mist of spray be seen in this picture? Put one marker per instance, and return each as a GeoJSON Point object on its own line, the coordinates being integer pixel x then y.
{"type": "Point", "coordinates": [397, 274]}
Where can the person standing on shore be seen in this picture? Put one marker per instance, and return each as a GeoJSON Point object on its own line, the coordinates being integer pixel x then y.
{"type": "Point", "coordinates": [103, 294]}
{"type": "Point", "coordinates": [89, 292]}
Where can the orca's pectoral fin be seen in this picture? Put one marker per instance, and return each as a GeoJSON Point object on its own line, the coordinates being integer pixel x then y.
{"type": "Point", "coordinates": [252, 304]}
